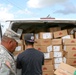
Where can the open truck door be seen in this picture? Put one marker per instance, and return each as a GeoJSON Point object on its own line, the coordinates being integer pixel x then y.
{"type": "Point", "coordinates": [0, 33]}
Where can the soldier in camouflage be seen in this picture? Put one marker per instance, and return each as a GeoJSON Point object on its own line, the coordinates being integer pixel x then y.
{"type": "Point", "coordinates": [7, 63]}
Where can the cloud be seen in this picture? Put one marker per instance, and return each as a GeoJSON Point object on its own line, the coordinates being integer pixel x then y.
{"type": "Point", "coordinates": [5, 12]}
{"type": "Point", "coordinates": [25, 11]}
{"type": "Point", "coordinates": [43, 3]}
{"type": "Point", "coordinates": [68, 9]}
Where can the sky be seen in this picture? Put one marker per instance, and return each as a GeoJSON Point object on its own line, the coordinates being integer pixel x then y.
{"type": "Point", "coordinates": [22, 9]}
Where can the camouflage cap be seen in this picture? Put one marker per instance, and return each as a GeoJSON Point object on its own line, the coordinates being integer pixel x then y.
{"type": "Point", "coordinates": [12, 34]}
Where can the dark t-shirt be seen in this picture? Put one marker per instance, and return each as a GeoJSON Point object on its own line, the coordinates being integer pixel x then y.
{"type": "Point", "coordinates": [30, 61]}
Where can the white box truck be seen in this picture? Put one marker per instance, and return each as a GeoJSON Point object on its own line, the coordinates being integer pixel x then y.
{"type": "Point", "coordinates": [33, 26]}
{"type": "Point", "coordinates": [41, 25]}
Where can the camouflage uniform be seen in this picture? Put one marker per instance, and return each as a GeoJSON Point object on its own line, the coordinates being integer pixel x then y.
{"type": "Point", "coordinates": [6, 56]}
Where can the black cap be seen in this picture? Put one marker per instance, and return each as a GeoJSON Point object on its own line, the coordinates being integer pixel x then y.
{"type": "Point", "coordinates": [29, 37]}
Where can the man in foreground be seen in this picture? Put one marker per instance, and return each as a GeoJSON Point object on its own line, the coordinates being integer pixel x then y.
{"type": "Point", "coordinates": [7, 63]}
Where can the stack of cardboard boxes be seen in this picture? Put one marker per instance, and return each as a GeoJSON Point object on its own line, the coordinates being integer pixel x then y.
{"type": "Point", "coordinates": [57, 45]}
{"type": "Point", "coordinates": [70, 48]}
{"type": "Point", "coordinates": [44, 44]}
{"type": "Point", "coordinates": [57, 51]}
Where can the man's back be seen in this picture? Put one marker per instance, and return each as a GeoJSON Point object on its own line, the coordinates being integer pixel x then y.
{"type": "Point", "coordinates": [31, 61]}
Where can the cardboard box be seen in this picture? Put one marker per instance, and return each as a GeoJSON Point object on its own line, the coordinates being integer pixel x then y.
{"type": "Point", "coordinates": [24, 42]}
{"type": "Point", "coordinates": [19, 32]}
{"type": "Point", "coordinates": [49, 48]}
{"type": "Point", "coordinates": [41, 48]}
{"type": "Point", "coordinates": [69, 42]}
{"type": "Point", "coordinates": [36, 35]}
{"type": "Point", "coordinates": [58, 54]}
{"type": "Point", "coordinates": [48, 55]}
{"type": "Point", "coordinates": [20, 42]}
{"type": "Point", "coordinates": [58, 60]}
{"type": "Point", "coordinates": [44, 48]}
{"type": "Point", "coordinates": [56, 41]}
{"type": "Point", "coordinates": [18, 50]}
{"type": "Point", "coordinates": [69, 48]}
{"type": "Point", "coordinates": [60, 33]}
{"type": "Point", "coordinates": [54, 29]}
{"type": "Point", "coordinates": [71, 61]}
{"type": "Point", "coordinates": [69, 30]}
{"type": "Point", "coordinates": [43, 42]}
{"type": "Point", "coordinates": [71, 54]}
{"type": "Point", "coordinates": [57, 48]}
{"type": "Point", "coordinates": [75, 35]}
{"type": "Point", "coordinates": [74, 66]}
{"type": "Point", "coordinates": [48, 73]}
{"type": "Point", "coordinates": [23, 36]}
{"type": "Point", "coordinates": [45, 35]}
{"type": "Point", "coordinates": [64, 59]}
{"type": "Point", "coordinates": [48, 62]}
{"type": "Point", "coordinates": [65, 69]}
{"type": "Point", "coordinates": [40, 29]}
{"type": "Point", "coordinates": [56, 66]}
{"type": "Point", "coordinates": [68, 37]}
{"type": "Point", "coordinates": [47, 68]}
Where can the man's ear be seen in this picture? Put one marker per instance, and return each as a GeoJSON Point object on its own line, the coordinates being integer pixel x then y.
{"type": "Point", "coordinates": [10, 41]}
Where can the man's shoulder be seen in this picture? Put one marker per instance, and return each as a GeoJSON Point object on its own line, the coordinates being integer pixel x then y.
{"type": "Point", "coordinates": [39, 51]}
{"type": "Point", "coordinates": [2, 51]}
